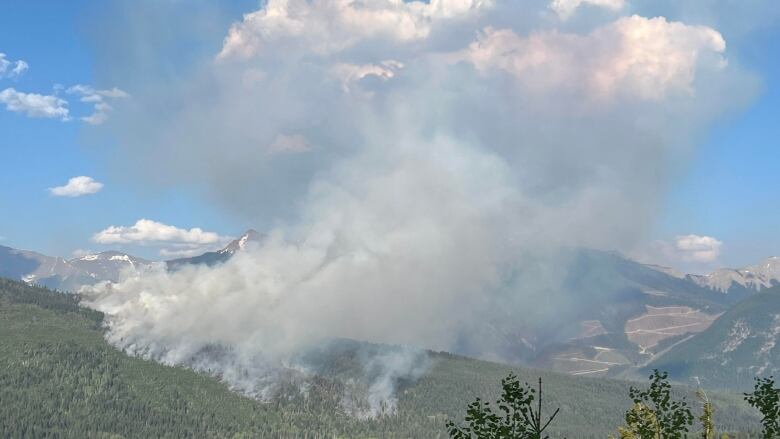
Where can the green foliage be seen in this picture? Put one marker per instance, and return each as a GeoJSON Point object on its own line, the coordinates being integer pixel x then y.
{"type": "Point", "coordinates": [13, 292]}
{"type": "Point", "coordinates": [655, 414]}
{"type": "Point", "coordinates": [518, 419]}
{"type": "Point", "coordinates": [766, 398]}
{"type": "Point", "coordinates": [641, 423]}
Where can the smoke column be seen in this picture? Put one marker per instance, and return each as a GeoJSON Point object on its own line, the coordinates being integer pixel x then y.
{"type": "Point", "coordinates": [417, 167]}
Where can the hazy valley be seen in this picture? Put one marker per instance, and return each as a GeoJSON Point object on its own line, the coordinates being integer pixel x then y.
{"type": "Point", "coordinates": [623, 317]}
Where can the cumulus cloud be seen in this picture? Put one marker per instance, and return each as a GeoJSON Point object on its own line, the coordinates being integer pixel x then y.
{"type": "Point", "coordinates": [76, 187]}
{"type": "Point", "coordinates": [565, 8]}
{"type": "Point", "coordinates": [697, 248]}
{"type": "Point", "coordinates": [34, 105]}
{"type": "Point", "coordinates": [691, 253]}
{"type": "Point", "coordinates": [148, 232]}
{"type": "Point", "coordinates": [637, 56]}
{"type": "Point", "coordinates": [11, 69]}
{"type": "Point", "coordinates": [326, 26]}
{"type": "Point", "coordinates": [431, 214]}
{"type": "Point", "coordinates": [97, 98]}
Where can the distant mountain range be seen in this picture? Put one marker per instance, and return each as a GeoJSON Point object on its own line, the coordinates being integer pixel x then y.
{"type": "Point", "coordinates": [67, 275]}
{"type": "Point", "coordinates": [756, 277]}
{"type": "Point", "coordinates": [70, 274]}
{"type": "Point", "coordinates": [617, 317]}
{"type": "Point", "coordinates": [734, 281]}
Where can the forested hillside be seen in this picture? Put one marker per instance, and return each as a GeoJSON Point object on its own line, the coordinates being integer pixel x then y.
{"type": "Point", "coordinates": [739, 345]}
{"type": "Point", "coordinates": [58, 378]}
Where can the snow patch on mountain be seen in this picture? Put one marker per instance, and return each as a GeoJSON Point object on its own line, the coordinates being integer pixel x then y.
{"type": "Point", "coordinates": [239, 244]}
{"type": "Point", "coordinates": [755, 277]}
{"type": "Point", "coordinates": [762, 275]}
{"type": "Point", "coordinates": [109, 265]}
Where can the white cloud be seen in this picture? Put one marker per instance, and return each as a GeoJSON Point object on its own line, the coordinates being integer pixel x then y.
{"type": "Point", "coordinates": [76, 187]}
{"type": "Point", "coordinates": [146, 232]}
{"type": "Point", "coordinates": [34, 105]}
{"type": "Point", "coordinates": [101, 108]}
{"type": "Point", "coordinates": [697, 248]}
{"type": "Point", "coordinates": [100, 114]}
{"type": "Point", "coordinates": [327, 26]}
{"type": "Point", "coordinates": [643, 57]}
{"type": "Point", "coordinates": [19, 68]}
{"type": "Point", "coordinates": [687, 253]}
{"type": "Point", "coordinates": [11, 69]}
{"type": "Point", "coordinates": [566, 8]}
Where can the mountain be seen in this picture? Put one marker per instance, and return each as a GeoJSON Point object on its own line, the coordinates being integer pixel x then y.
{"type": "Point", "coordinates": [739, 345]}
{"type": "Point", "coordinates": [619, 314]}
{"type": "Point", "coordinates": [67, 275]}
{"type": "Point", "coordinates": [765, 274]}
{"type": "Point", "coordinates": [220, 256]}
{"type": "Point", "coordinates": [37, 268]}
{"type": "Point", "coordinates": [70, 275]}
{"type": "Point", "coordinates": [61, 379]}
{"type": "Point", "coordinates": [108, 265]}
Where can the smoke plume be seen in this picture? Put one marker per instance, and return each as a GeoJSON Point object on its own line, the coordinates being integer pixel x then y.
{"type": "Point", "coordinates": [417, 167]}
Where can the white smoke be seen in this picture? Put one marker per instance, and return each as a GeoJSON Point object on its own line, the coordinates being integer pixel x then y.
{"type": "Point", "coordinates": [421, 208]}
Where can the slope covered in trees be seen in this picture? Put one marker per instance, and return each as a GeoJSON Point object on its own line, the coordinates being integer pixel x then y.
{"type": "Point", "coordinates": [740, 345]}
{"type": "Point", "coordinates": [59, 378]}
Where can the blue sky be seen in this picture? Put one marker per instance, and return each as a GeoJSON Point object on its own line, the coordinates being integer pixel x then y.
{"type": "Point", "coordinates": [729, 190]}
{"type": "Point", "coordinates": [37, 154]}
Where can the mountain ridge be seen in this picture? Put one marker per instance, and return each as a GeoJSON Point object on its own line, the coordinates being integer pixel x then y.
{"type": "Point", "coordinates": [220, 256]}
{"type": "Point", "coordinates": [764, 274]}
{"type": "Point", "coordinates": [69, 274]}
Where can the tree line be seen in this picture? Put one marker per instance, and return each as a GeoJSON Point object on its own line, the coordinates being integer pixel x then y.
{"type": "Point", "coordinates": [655, 413]}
